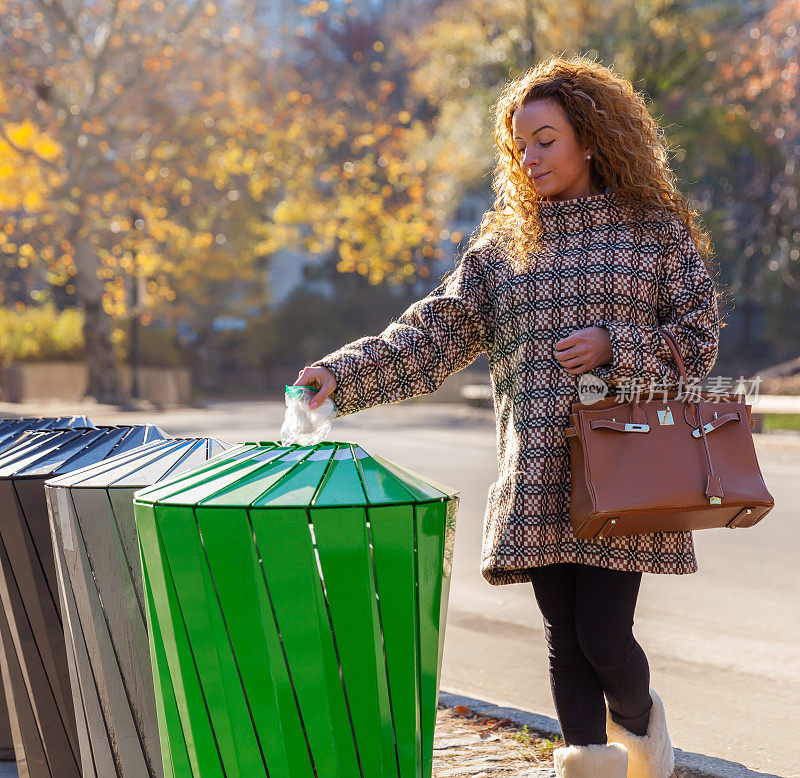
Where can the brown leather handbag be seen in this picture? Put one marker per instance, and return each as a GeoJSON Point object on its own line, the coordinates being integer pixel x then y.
{"type": "Point", "coordinates": [671, 463]}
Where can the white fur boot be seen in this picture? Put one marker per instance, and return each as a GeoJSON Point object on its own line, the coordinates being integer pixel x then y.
{"type": "Point", "coordinates": [650, 755]}
{"type": "Point", "coordinates": [593, 761]}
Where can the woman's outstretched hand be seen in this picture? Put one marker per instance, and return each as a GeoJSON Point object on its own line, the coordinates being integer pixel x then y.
{"type": "Point", "coordinates": [584, 350]}
{"type": "Point", "coordinates": [321, 378]}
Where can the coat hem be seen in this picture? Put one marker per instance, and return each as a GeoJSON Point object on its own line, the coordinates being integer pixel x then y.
{"type": "Point", "coordinates": [501, 576]}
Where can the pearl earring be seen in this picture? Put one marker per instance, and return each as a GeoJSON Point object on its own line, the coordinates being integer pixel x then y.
{"type": "Point", "coordinates": [588, 156]}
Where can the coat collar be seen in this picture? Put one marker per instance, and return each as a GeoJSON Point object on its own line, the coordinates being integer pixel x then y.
{"type": "Point", "coordinates": [578, 214]}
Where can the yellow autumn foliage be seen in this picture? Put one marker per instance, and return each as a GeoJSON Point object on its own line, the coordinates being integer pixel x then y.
{"type": "Point", "coordinates": [38, 333]}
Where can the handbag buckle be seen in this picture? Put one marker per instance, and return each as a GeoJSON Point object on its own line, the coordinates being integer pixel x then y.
{"type": "Point", "coordinates": [630, 427]}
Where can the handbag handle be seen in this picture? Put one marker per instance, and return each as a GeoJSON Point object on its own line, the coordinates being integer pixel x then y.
{"type": "Point", "coordinates": [714, 490]}
{"type": "Point", "coordinates": [638, 416]}
{"type": "Point", "coordinates": [673, 347]}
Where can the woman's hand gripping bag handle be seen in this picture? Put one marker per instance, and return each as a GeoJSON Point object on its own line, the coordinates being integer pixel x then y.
{"type": "Point", "coordinates": [302, 424]}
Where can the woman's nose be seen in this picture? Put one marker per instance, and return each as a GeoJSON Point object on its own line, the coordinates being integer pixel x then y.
{"type": "Point", "coordinates": [530, 159]}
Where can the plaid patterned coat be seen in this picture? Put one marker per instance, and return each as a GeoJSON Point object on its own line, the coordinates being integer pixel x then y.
{"type": "Point", "coordinates": [597, 265]}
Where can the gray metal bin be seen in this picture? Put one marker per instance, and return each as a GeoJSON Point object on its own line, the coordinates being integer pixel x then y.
{"type": "Point", "coordinates": [100, 587]}
{"type": "Point", "coordinates": [33, 656]}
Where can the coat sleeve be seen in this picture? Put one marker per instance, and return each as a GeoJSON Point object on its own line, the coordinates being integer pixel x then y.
{"type": "Point", "coordinates": [687, 308]}
{"type": "Point", "coordinates": [436, 336]}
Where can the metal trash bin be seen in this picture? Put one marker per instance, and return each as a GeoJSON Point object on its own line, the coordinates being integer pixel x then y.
{"type": "Point", "coordinates": [299, 595]}
{"type": "Point", "coordinates": [100, 587]}
{"type": "Point", "coordinates": [11, 430]}
{"type": "Point", "coordinates": [33, 657]}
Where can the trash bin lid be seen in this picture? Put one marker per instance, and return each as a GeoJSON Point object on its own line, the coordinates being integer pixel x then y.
{"type": "Point", "coordinates": [45, 453]}
{"type": "Point", "coordinates": [11, 429]}
{"type": "Point", "coordinates": [145, 465]}
{"type": "Point", "coordinates": [268, 475]}
{"type": "Point", "coordinates": [69, 422]}
{"type": "Point", "coordinates": [46, 422]}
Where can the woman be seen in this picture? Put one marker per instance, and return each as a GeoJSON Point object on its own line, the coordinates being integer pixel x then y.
{"type": "Point", "coordinates": [588, 249]}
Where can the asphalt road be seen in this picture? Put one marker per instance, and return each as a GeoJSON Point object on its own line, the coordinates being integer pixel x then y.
{"type": "Point", "coordinates": [723, 643]}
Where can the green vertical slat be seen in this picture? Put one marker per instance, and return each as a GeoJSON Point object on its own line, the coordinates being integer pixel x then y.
{"type": "Point", "coordinates": [430, 526]}
{"type": "Point", "coordinates": [228, 542]}
{"type": "Point", "coordinates": [423, 488]}
{"type": "Point", "coordinates": [380, 485]}
{"type": "Point", "coordinates": [343, 546]}
{"type": "Point", "coordinates": [196, 726]}
{"type": "Point", "coordinates": [290, 569]}
{"type": "Point", "coordinates": [174, 755]}
{"type": "Point", "coordinates": [243, 488]}
{"type": "Point", "coordinates": [451, 510]}
{"type": "Point", "coordinates": [208, 638]}
{"type": "Point", "coordinates": [392, 531]}
{"type": "Point", "coordinates": [342, 484]}
{"type": "Point", "coordinates": [298, 487]}
{"type": "Point", "coordinates": [215, 471]}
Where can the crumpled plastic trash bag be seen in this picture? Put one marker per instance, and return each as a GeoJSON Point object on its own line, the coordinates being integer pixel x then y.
{"type": "Point", "coordinates": [304, 426]}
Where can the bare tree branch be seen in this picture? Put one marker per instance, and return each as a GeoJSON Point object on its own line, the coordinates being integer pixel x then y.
{"type": "Point", "coordinates": [125, 85]}
{"type": "Point", "coordinates": [54, 10]}
{"type": "Point", "coordinates": [51, 26]}
{"type": "Point", "coordinates": [139, 71]}
{"type": "Point", "coordinates": [190, 16]}
{"type": "Point", "coordinates": [100, 55]}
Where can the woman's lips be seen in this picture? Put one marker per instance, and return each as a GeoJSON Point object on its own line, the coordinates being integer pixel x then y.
{"type": "Point", "coordinates": [540, 177]}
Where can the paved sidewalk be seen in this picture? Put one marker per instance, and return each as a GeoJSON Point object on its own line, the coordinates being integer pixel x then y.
{"type": "Point", "coordinates": [484, 755]}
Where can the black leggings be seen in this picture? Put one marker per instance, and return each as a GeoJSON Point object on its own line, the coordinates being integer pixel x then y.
{"type": "Point", "coordinates": [588, 622]}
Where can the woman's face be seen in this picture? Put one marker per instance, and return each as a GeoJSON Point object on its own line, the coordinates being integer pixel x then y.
{"type": "Point", "coordinates": [551, 156]}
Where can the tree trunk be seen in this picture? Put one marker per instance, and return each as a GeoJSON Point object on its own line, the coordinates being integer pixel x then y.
{"type": "Point", "coordinates": [104, 382]}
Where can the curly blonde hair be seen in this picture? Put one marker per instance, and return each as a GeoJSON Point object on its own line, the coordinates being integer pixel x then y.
{"type": "Point", "coordinates": [609, 116]}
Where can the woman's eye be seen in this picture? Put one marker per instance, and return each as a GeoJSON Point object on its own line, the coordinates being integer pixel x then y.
{"type": "Point", "coordinates": [522, 150]}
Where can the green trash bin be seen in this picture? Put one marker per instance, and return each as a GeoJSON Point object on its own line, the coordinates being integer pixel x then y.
{"type": "Point", "coordinates": [297, 598]}
{"type": "Point", "coordinates": [33, 657]}
{"type": "Point", "coordinates": [100, 589]}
